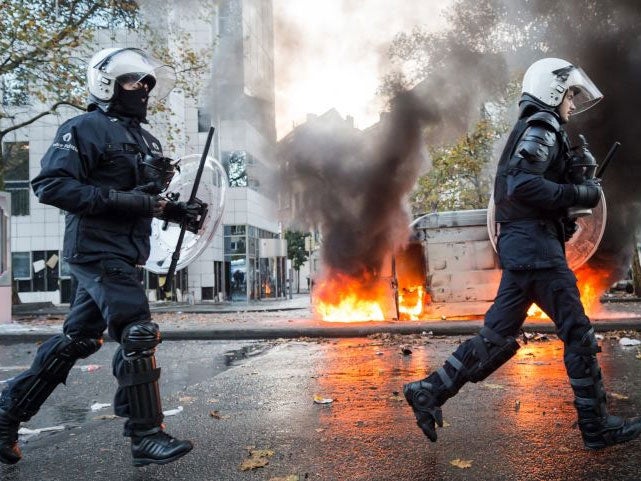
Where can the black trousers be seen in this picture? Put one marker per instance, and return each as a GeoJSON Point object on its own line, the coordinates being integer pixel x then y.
{"type": "Point", "coordinates": [109, 296]}
{"type": "Point", "coordinates": [555, 291]}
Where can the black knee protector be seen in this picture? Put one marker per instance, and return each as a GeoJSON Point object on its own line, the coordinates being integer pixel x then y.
{"type": "Point", "coordinates": [140, 377]}
{"type": "Point", "coordinates": [488, 351]}
{"type": "Point", "coordinates": [580, 353]}
{"type": "Point", "coordinates": [140, 339]}
{"type": "Point", "coordinates": [54, 370]}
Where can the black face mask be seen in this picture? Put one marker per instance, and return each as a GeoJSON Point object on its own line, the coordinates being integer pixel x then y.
{"type": "Point", "coordinates": [131, 103]}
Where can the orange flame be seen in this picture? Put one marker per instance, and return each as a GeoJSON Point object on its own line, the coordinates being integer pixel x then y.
{"type": "Point", "coordinates": [411, 302]}
{"type": "Point", "coordinates": [341, 298]}
{"type": "Point", "coordinates": [592, 283]}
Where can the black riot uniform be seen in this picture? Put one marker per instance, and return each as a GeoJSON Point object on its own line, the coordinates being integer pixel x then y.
{"type": "Point", "coordinates": [532, 196]}
{"type": "Point", "coordinates": [104, 170]}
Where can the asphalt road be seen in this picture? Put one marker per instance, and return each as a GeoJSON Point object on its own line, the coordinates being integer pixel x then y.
{"type": "Point", "coordinates": [243, 395]}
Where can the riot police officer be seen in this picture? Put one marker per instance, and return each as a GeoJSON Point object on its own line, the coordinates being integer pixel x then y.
{"type": "Point", "coordinates": [105, 171]}
{"type": "Point", "coordinates": [535, 196]}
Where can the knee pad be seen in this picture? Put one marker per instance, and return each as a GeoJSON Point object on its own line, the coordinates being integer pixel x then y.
{"type": "Point", "coordinates": [54, 370]}
{"type": "Point", "coordinates": [78, 347]}
{"type": "Point", "coordinates": [582, 341]}
{"type": "Point", "coordinates": [488, 352]}
{"type": "Point", "coordinates": [140, 340]}
{"type": "Point", "coordinates": [140, 374]}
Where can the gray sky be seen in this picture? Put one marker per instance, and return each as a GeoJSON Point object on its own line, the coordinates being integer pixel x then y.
{"type": "Point", "coordinates": [333, 53]}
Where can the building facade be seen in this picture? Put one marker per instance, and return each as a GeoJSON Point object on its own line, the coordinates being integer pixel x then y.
{"type": "Point", "coordinates": [237, 99]}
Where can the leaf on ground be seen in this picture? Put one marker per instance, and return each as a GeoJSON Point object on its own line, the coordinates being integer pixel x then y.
{"type": "Point", "coordinates": [493, 386]}
{"type": "Point", "coordinates": [215, 415]}
{"type": "Point", "coordinates": [257, 459]}
{"type": "Point", "coordinates": [638, 356]}
{"type": "Point", "coordinates": [253, 463]}
{"type": "Point", "coordinates": [186, 399]}
{"type": "Point", "coordinates": [105, 417]}
{"type": "Point", "coordinates": [291, 477]}
{"type": "Point", "coordinates": [318, 399]}
{"type": "Point", "coordinates": [615, 395]}
{"type": "Point", "coordinates": [461, 463]}
{"type": "Point", "coordinates": [396, 397]}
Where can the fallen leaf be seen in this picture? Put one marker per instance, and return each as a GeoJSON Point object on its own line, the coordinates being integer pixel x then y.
{"type": "Point", "coordinates": [320, 430]}
{"type": "Point", "coordinates": [105, 417]}
{"type": "Point", "coordinates": [215, 414]}
{"type": "Point", "coordinates": [461, 463]}
{"type": "Point", "coordinates": [291, 477]}
{"type": "Point", "coordinates": [257, 459]}
{"type": "Point", "coordinates": [493, 386]}
{"type": "Point", "coordinates": [517, 405]}
{"type": "Point", "coordinates": [446, 424]}
{"type": "Point", "coordinates": [321, 400]}
{"type": "Point", "coordinates": [638, 356]}
{"type": "Point", "coordinates": [186, 399]}
{"type": "Point", "coordinates": [615, 395]}
{"type": "Point", "coordinates": [396, 397]}
{"type": "Point", "coordinates": [253, 463]}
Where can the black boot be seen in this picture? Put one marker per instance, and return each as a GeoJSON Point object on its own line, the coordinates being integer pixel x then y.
{"type": "Point", "coordinates": [474, 360]}
{"type": "Point", "coordinates": [157, 447]}
{"type": "Point", "coordinates": [601, 432]}
{"type": "Point", "coordinates": [422, 397]}
{"type": "Point", "coordinates": [598, 428]}
{"type": "Point", "coordinates": [9, 449]}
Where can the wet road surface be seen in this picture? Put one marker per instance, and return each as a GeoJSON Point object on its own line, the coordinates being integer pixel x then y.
{"type": "Point", "coordinates": [517, 425]}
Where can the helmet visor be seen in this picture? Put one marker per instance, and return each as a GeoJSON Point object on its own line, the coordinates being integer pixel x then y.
{"type": "Point", "coordinates": [586, 94]}
{"type": "Point", "coordinates": [134, 65]}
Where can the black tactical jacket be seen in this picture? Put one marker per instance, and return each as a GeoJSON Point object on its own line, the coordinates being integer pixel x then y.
{"type": "Point", "coordinates": [531, 194]}
{"type": "Point", "coordinates": [91, 154]}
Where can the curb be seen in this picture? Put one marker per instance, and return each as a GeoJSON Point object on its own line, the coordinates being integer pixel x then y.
{"type": "Point", "coordinates": [316, 331]}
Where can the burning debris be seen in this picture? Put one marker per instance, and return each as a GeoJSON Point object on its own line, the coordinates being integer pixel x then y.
{"type": "Point", "coordinates": [353, 185]}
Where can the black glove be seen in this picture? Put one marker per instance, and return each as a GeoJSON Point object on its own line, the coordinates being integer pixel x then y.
{"type": "Point", "coordinates": [191, 213]}
{"type": "Point", "coordinates": [569, 228]}
{"type": "Point", "coordinates": [587, 194]}
{"type": "Point", "coordinates": [156, 174]}
{"type": "Point", "coordinates": [134, 202]}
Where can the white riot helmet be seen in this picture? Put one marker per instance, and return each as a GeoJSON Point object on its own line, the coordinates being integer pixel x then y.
{"type": "Point", "coordinates": [127, 64]}
{"type": "Point", "coordinates": [547, 80]}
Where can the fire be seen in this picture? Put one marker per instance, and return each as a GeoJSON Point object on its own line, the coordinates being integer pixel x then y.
{"type": "Point", "coordinates": [341, 298]}
{"type": "Point", "coordinates": [411, 302]}
{"type": "Point", "coordinates": [592, 283]}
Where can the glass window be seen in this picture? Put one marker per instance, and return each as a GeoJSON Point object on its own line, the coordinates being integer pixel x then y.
{"type": "Point", "coordinates": [21, 265]}
{"type": "Point", "coordinates": [235, 164]}
{"type": "Point", "coordinates": [16, 175]}
{"type": "Point", "coordinates": [204, 120]}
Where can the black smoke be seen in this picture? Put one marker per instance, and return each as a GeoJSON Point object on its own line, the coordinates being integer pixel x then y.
{"type": "Point", "coordinates": [603, 37]}
{"type": "Point", "coordinates": [352, 185]}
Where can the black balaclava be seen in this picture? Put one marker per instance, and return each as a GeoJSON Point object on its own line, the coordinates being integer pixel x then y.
{"type": "Point", "coordinates": [130, 103]}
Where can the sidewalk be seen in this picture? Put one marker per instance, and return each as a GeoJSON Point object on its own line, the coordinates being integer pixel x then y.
{"type": "Point", "coordinates": [292, 318]}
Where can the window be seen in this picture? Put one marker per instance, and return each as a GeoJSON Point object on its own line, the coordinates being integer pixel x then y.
{"type": "Point", "coordinates": [204, 120]}
{"type": "Point", "coordinates": [21, 265]}
{"type": "Point", "coordinates": [16, 175]}
{"type": "Point", "coordinates": [235, 164]}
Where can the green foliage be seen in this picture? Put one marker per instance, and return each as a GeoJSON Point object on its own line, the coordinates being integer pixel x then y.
{"type": "Point", "coordinates": [459, 178]}
{"type": "Point", "coordinates": [45, 43]}
{"type": "Point", "coordinates": [296, 248]}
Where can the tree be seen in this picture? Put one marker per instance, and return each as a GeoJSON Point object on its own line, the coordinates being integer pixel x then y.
{"type": "Point", "coordinates": [296, 251]}
{"type": "Point", "coordinates": [43, 42]}
{"type": "Point", "coordinates": [459, 178]}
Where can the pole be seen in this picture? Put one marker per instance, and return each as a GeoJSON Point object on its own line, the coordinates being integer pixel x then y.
{"type": "Point", "coordinates": [167, 287]}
